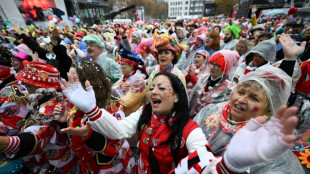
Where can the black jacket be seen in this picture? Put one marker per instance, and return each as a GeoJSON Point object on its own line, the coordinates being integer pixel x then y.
{"type": "Point", "coordinates": [62, 61]}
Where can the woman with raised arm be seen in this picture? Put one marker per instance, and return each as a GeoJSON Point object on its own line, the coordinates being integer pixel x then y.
{"type": "Point", "coordinates": [167, 134]}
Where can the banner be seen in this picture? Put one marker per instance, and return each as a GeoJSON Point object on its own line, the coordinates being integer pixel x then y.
{"type": "Point", "coordinates": [140, 14]}
{"type": "Point", "coordinates": [243, 8]}
{"type": "Point", "coordinates": [209, 9]}
{"type": "Point", "coordinates": [234, 13]}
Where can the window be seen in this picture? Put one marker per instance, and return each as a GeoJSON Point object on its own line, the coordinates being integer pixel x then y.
{"type": "Point", "coordinates": [185, 13]}
{"type": "Point", "coordinates": [185, 8]}
{"type": "Point", "coordinates": [186, 2]}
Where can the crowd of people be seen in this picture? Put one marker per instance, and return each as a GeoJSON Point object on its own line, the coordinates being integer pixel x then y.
{"type": "Point", "coordinates": [212, 95]}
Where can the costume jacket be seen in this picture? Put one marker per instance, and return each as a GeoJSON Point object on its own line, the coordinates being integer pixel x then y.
{"type": "Point", "coordinates": [153, 137]}
{"type": "Point", "coordinates": [104, 156]}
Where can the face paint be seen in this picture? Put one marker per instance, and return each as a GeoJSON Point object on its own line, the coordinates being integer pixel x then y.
{"type": "Point", "coordinates": [166, 97]}
{"type": "Point", "coordinates": [253, 109]}
{"type": "Point", "coordinates": [162, 95]}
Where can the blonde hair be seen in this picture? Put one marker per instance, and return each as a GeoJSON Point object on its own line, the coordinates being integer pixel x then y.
{"type": "Point", "coordinates": [255, 86]}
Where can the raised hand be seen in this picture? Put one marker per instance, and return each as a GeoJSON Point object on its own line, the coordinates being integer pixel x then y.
{"type": "Point", "coordinates": [254, 9]}
{"type": "Point", "coordinates": [290, 49]}
{"type": "Point", "coordinates": [73, 90]}
{"type": "Point", "coordinates": [191, 70]}
{"type": "Point", "coordinates": [83, 131]}
{"type": "Point", "coordinates": [62, 111]}
{"type": "Point", "coordinates": [17, 29]}
{"type": "Point", "coordinates": [261, 142]}
{"type": "Point", "coordinates": [125, 86]}
{"type": "Point", "coordinates": [35, 57]}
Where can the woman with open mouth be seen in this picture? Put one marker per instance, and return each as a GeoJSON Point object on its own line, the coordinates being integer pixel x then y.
{"type": "Point", "coordinates": [169, 52]}
{"type": "Point", "coordinates": [261, 92]}
{"type": "Point", "coordinates": [167, 134]}
{"type": "Point", "coordinates": [196, 70]}
{"type": "Point", "coordinates": [131, 88]}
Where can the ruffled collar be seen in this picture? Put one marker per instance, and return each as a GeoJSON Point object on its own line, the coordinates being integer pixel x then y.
{"type": "Point", "coordinates": [169, 69]}
{"type": "Point", "coordinates": [162, 118]}
{"type": "Point", "coordinates": [131, 74]}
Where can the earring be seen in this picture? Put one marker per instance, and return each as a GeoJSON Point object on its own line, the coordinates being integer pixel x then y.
{"type": "Point", "coordinates": [176, 100]}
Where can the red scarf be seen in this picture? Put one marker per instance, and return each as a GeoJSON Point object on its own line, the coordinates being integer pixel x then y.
{"type": "Point", "coordinates": [249, 69]}
{"type": "Point", "coordinates": [227, 127]}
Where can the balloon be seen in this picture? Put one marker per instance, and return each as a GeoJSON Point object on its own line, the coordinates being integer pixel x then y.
{"type": "Point", "coordinates": [77, 20]}
{"type": "Point", "coordinates": [58, 20]}
{"type": "Point", "coordinates": [50, 18]}
{"type": "Point", "coordinates": [69, 18]}
{"type": "Point", "coordinates": [74, 16]}
{"type": "Point", "coordinates": [30, 20]}
{"type": "Point", "coordinates": [72, 19]}
{"type": "Point", "coordinates": [54, 20]}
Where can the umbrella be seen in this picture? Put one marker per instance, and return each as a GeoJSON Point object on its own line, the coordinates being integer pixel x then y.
{"type": "Point", "coordinates": [276, 12]}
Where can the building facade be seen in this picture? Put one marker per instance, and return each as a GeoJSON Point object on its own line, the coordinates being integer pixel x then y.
{"type": "Point", "coordinates": [186, 8]}
{"type": "Point", "coordinates": [178, 8]}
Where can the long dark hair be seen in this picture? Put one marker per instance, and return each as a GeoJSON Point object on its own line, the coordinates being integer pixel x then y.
{"type": "Point", "coordinates": [91, 71]}
{"type": "Point", "coordinates": [180, 109]}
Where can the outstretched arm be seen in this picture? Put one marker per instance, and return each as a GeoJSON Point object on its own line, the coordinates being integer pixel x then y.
{"type": "Point", "coordinates": [260, 143]}
{"type": "Point", "coordinates": [101, 120]}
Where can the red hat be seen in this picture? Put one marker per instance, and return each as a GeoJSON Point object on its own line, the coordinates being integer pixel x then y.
{"type": "Point", "coordinates": [79, 34]}
{"type": "Point", "coordinates": [292, 10]}
{"type": "Point", "coordinates": [39, 74]}
{"type": "Point", "coordinates": [117, 25]}
{"type": "Point", "coordinates": [219, 59]}
{"type": "Point", "coordinates": [144, 47]}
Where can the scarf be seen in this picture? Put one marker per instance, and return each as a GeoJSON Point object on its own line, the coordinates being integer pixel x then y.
{"type": "Point", "coordinates": [212, 82]}
{"type": "Point", "coordinates": [229, 126]}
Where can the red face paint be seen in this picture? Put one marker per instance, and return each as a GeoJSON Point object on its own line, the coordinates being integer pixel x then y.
{"type": "Point", "coordinates": [253, 109]}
